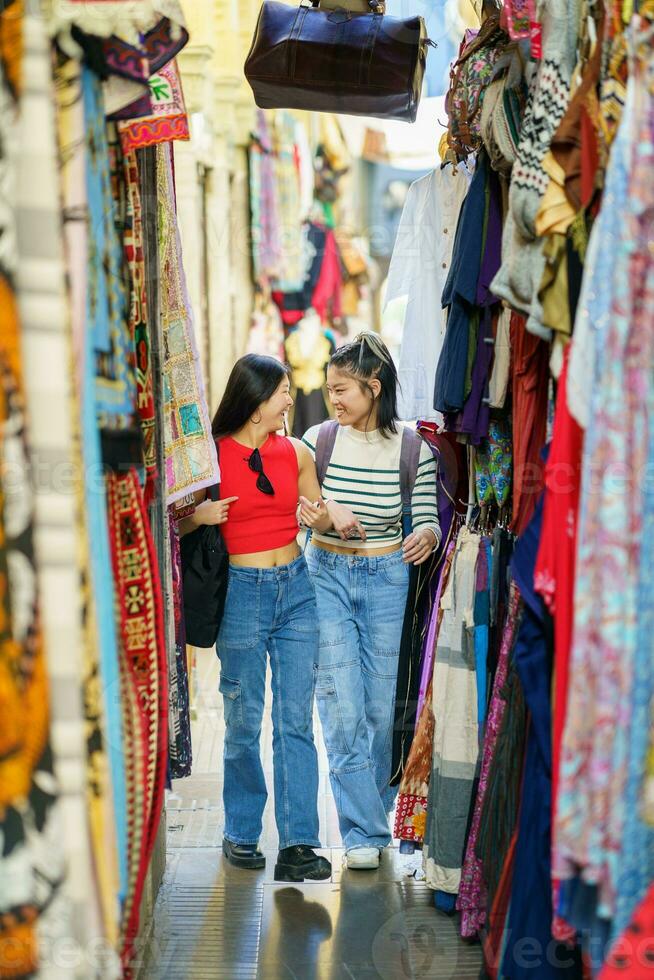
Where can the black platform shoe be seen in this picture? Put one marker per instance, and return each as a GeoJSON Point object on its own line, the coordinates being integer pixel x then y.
{"type": "Point", "coordinates": [243, 855]}
{"type": "Point", "coordinates": [300, 862]}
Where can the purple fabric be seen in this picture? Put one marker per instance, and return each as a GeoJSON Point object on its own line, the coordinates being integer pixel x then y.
{"type": "Point", "coordinates": [475, 416]}
{"type": "Point", "coordinates": [491, 259]}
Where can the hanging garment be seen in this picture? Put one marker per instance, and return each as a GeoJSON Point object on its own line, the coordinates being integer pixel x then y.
{"type": "Point", "coordinates": [164, 120]}
{"type": "Point", "coordinates": [138, 320]}
{"type": "Point", "coordinates": [633, 955]}
{"type": "Point", "coordinates": [474, 419]}
{"type": "Point", "coordinates": [530, 914]}
{"type": "Point", "coordinates": [498, 384]}
{"type": "Point", "coordinates": [107, 399]}
{"type": "Point", "coordinates": [482, 624]}
{"type": "Point", "coordinates": [555, 564]}
{"type": "Point", "coordinates": [293, 305]}
{"type": "Point", "coordinates": [530, 386]}
{"type": "Point", "coordinates": [308, 379]}
{"type": "Point", "coordinates": [411, 810]}
{"type": "Point", "coordinates": [64, 556]}
{"type": "Point", "coordinates": [287, 182]}
{"type": "Point", "coordinates": [456, 745]}
{"type": "Point", "coordinates": [31, 866]}
{"type": "Point", "coordinates": [460, 294]}
{"type": "Point", "coordinates": [472, 892]}
{"type": "Point", "coordinates": [143, 669]}
{"type": "Point", "coordinates": [418, 271]}
{"type": "Point", "coordinates": [264, 223]}
{"type": "Point", "coordinates": [493, 934]}
{"type": "Point", "coordinates": [589, 824]}
{"type": "Point", "coordinates": [549, 93]}
{"type": "Point", "coordinates": [191, 462]}
{"type": "Point", "coordinates": [180, 749]}
{"type": "Point", "coordinates": [327, 296]}
{"type": "Point", "coordinates": [449, 472]}
{"type": "Point", "coordinates": [493, 464]}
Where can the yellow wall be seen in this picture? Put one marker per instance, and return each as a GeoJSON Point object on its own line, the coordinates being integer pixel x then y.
{"type": "Point", "coordinates": [221, 109]}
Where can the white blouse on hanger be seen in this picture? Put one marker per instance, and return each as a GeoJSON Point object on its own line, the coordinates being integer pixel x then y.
{"type": "Point", "coordinates": [418, 271]}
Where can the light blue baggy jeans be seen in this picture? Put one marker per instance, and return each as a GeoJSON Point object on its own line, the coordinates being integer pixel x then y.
{"type": "Point", "coordinates": [361, 604]}
{"type": "Point", "coordinates": [270, 611]}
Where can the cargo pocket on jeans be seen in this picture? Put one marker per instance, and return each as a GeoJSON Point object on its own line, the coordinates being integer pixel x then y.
{"type": "Point", "coordinates": [331, 719]}
{"type": "Point", "coordinates": [233, 705]}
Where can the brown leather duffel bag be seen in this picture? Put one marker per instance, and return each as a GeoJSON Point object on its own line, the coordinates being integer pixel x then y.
{"type": "Point", "coordinates": [337, 61]}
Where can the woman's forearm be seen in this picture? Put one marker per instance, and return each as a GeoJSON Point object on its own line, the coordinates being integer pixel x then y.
{"type": "Point", "coordinates": [186, 525]}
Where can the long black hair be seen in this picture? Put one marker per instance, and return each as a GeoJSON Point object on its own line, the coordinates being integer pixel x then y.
{"type": "Point", "coordinates": [368, 357]}
{"type": "Point", "coordinates": [254, 379]}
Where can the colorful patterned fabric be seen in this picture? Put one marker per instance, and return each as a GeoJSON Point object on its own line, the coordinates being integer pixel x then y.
{"type": "Point", "coordinates": [493, 463]}
{"type": "Point", "coordinates": [133, 244]}
{"type": "Point", "coordinates": [469, 79]}
{"type": "Point", "coordinates": [618, 296]}
{"type": "Point", "coordinates": [519, 16]}
{"type": "Point", "coordinates": [167, 120]}
{"type": "Point", "coordinates": [455, 745]}
{"type": "Point", "coordinates": [107, 400]}
{"type": "Point", "coordinates": [107, 309]}
{"type": "Point", "coordinates": [266, 244]}
{"type": "Point", "coordinates": [410, 817]}
{"type": "Point", "coordinates": [27, 786]}
{"type": "Point", "coordinates": [191, 461]}
{"type": "Point", "coordinates": [180, 749]}
{"type": "Point", "coordinates": [472, 892]}
{"type": "Point", "coordinates": [54, 371]}
{"type": "Point", "coordinates": [290, 275]}
{"type": "Point", "coordinates": [632, 957]}
{"type": "Point", "coordinates": [143, 666]}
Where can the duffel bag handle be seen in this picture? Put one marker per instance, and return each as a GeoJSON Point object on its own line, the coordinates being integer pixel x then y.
{"type": "Point", "coordinates": [376, 6]}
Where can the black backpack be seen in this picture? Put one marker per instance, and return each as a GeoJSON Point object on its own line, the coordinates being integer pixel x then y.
{"type": "Point", "coordinates": [205, 569]}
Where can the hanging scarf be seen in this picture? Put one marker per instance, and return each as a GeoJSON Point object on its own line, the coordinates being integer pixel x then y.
{"type": "Point", "coordinates": [28, 873]}
{"type": "Point", "coordinates": [143, 675]}
{"type": "Point", "coordinates": [107, 399]}
{"type": "Point", "coordinates": [191, 461]}
{"type": "Point", "coordinates": [133, 243]}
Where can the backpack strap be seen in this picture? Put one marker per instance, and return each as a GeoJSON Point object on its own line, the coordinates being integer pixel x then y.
{"type": "Point", "coordinates": [409, 460]}
{"type": "Point", "coordinates": [325, 447]}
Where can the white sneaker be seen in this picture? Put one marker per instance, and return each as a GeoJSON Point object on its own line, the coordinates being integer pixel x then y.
{"type": "Point", "coordinates": [362, 858]}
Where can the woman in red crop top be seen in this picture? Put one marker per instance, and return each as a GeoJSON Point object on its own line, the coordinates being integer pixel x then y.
{"type": "Point", "coordinates": [270, 610]}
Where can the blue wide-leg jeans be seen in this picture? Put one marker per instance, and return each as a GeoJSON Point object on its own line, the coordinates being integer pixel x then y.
{"type": "Point", "coordinates": [361, 603]}
{"type": "Point", "coordinates": [270, 612]}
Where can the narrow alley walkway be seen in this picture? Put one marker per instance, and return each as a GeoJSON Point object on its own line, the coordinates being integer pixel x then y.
{"type": "Point", "coordinates": [213, 922]}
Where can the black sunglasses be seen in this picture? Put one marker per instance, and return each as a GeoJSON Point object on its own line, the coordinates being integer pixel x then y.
{"type": "Point", "coordinates": [256, 465]}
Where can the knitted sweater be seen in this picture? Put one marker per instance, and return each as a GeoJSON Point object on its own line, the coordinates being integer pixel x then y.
{"type": "Point", "coordinates": [523, 262]}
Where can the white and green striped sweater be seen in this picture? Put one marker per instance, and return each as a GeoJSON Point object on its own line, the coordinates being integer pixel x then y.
{"type": "Point", "coordinates": [364, 474]}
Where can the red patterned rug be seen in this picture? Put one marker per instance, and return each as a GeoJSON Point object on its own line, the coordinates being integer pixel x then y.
{"type": "Point", "coordinates": [144, 672]}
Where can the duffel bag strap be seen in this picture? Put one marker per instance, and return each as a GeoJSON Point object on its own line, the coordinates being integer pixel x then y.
{"type": "Point", "coordinates": [294, 36]}
{"type": "Point", "coordinates": [365, 64]}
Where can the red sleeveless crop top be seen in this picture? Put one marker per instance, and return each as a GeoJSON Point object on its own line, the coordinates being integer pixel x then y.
{"type": "Point", "coordinates": [259, 521]}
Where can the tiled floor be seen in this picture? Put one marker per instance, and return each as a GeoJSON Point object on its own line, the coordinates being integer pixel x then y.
{"type": "Point", "coordinates": [213, 921]}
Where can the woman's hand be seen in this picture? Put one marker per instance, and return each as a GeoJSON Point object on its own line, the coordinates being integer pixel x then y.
{"type": "Point", "coordinates": [315, 515]}
{"type": "Point", "coordinates": [419, 545]}
{"type": "Point", "coordinates": [212, 511]}
{"type": "Point", "coordinates": [346, 524]}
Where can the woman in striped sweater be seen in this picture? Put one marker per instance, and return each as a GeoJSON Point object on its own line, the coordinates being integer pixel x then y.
{"type": "Point", "coordinates": [360, 571]}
